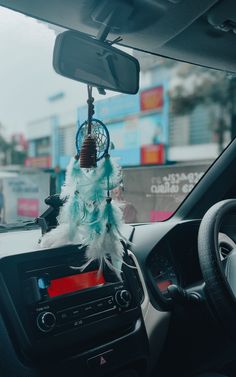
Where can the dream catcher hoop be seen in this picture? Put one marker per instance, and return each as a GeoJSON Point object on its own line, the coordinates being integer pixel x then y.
{"type": "Point", "coordinates": [99, 132]}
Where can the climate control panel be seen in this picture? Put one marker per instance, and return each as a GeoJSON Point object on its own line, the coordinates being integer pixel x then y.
{"type": "Point", "coordinates": [80, 315]}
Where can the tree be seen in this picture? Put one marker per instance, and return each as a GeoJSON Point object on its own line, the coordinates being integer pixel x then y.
{"type": "Point", "coordinates": [3, 147]}
{"type": "Point", "coordinates": [10, 152]}
{"type": "Point", "coordinates": [193, 85]}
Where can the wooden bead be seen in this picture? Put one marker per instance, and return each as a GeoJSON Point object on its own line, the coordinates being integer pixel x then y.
{"type": "Point", "coordinates": [88, 153]}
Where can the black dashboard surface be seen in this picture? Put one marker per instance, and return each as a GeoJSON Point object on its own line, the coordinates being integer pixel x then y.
{"type": "Point", "coordinates": [96, 320]}
{"type": "Point", "coordinates": [166, 252]}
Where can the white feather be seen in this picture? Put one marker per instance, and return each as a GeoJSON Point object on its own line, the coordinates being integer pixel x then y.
{"type": "Point", "coordinates": [69, 185]}
{"type": "Point", "coordinates": [101, 234]}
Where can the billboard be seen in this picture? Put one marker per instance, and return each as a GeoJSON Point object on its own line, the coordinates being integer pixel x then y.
{"type": "Point", "coordinates": [38, 162]}
{"type": "Point", "coordinates": [136, 131]}
{"type": "Point", "coordinates": [127, 157]}
{"type": "Point", "coordinates": [22, 197]}
{"type": "Point", "coordinates": [116, 134]}
{"type": "Point", "coordinates": [116, 107]}
{"type": "Point", "coordinates": [152, 99]}
{"type": "Point", "coordinates": [152, 154]}
{"type": "Point", "coordinates": [156, 192]}
{"type": "Point", "coordinates": [140, 140]}
{"type": "Point", "coordinates": [134, 122]}
{"type": "Point", "coordinates": [27, 207]}
{"type": "Point", "coordinates": [153, 129]}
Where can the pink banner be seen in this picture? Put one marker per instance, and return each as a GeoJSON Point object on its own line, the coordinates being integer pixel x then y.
{"type": "Point", "coordinates": [160, 215]}
{"type": "Point", "coordinates": [28, 207]}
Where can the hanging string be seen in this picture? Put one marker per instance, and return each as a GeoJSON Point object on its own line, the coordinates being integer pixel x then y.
{"type": "Point", "coordinates": [90, 102]}
{"type": "Point", "coordinates": [88, 153]}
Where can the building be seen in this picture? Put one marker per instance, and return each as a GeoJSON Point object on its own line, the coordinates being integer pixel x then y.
{"type": "Point", "coordinates": [143, 128]}
{"type": "Point", "coordinates": [194, 135]}
{"type": "Point", "coordinates": [51, 140]}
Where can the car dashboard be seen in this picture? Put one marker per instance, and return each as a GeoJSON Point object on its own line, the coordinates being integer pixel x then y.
{"type": "Point", "coordinates": [95, 342]}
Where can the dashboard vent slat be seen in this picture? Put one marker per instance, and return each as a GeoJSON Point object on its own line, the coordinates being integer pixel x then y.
{"type": "Point", "coordinates": [225, 250]}
{"type": "Point", "coordinates": [137, 282]}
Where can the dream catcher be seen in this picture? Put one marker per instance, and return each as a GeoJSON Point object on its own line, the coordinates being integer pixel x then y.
{"type": "Point", "coordinates": [89, 216]}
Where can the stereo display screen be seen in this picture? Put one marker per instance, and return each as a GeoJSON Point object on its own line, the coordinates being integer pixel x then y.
{"type": "Point", "coordinates": [73, 283]}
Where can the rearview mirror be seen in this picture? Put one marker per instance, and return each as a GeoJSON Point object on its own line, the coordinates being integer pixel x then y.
{"type": "Point", "coordinates": [93, 62]}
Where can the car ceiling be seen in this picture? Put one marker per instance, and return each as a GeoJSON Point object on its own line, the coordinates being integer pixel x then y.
{"type": "Point", "coordinates": [196, 31]}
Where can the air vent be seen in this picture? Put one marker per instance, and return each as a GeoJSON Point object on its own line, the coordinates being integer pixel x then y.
{"type": "Point", "coordinates": [225, 249]}
{"type": "Point", "coordinates": [226, 245]}
{"type": "Point", "coordinates": [137, 282]}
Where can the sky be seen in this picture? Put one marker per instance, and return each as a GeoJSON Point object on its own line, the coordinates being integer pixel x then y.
{"type": "Point", "coordinates": [27, 78]}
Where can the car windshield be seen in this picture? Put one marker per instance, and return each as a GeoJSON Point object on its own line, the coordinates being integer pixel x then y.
{"type": "Point", "coordinates": [165, 137]}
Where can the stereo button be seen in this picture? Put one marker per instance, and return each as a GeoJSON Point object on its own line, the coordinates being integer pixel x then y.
{"type": "Point", "coordinates": [104, 304]}
{"type": "Point", "coordinates": [100, 305]}
{"type": "Point", "coordinates": [123, 298]}
{"type": "Point", "coordinates": [76, 312]}
{"type": "Point", "coordinates": [88, 310]}
{"type": "Point", "coordinates": [46, 321]}
{"type": "Point", "coordinates": [63, 316]}
{"type": "Point", "coordinates": [109, 302]}
{"type": "Point", "coordinates": [78, 323]}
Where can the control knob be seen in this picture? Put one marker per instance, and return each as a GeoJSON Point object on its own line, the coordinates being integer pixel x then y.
{"type": "Point", "coordinates": [46, 321]}
{"type": "Point", "coordinates": [123, 298]}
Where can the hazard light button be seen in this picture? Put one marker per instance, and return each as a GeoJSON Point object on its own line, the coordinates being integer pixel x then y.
{"type": "Point", "coordinates": [101, 361]}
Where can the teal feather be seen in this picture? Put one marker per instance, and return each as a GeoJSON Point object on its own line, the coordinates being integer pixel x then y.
{"type": "Point", "coordinates": [108, 174]}
{"type": "Point", "coordinates": [93, 183]}
{"type": "Point", "coordinates": [112, 214]}
{"type": "Point", "coordinates": [103, 240]}
{"type": "Point", "coordinates": [93, 192]}
{"type": "Point", "coordinates": [102, 229]}
{"type": "Point", "coordinates": [94, 225]}
{"type": "Point", "coordinates": [89, 213]}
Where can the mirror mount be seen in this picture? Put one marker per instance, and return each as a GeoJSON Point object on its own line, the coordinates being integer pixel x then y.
{"type": "Point", "coordinates": [114, 14]}
{"type": "Point", "coordinates": [106, 28]}
{"type": "Point", "coordinates": [101, 91]}
{"type": "Point", "coordinates": [103, 32]}
{"type": "Point", "coordinates": [102, 36]}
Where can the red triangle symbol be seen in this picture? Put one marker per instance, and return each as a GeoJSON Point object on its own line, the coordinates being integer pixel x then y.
{"type": "Point", "coordinates": [102, 360]}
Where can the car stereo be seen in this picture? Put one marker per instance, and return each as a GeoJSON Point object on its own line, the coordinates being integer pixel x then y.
{"type": "Point", "coordinates": [52, 303]}
{"type": "Point", "coordinates": [62, 297]}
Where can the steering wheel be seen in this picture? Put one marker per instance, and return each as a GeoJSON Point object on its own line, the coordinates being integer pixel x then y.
{"type": "Point", "coordinates": [219, 276]}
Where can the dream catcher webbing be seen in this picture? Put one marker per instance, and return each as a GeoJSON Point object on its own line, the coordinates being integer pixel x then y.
{"type": "Point", "coordinates": [99, 133]}
{"type": "Point", "coordinates": [90, 216]}
{"type": "Point", "coordinates": [92, 138]}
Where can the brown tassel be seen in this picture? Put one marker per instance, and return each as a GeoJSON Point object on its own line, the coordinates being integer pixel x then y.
{"type": "Point", "coordinates": [88, 153]}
